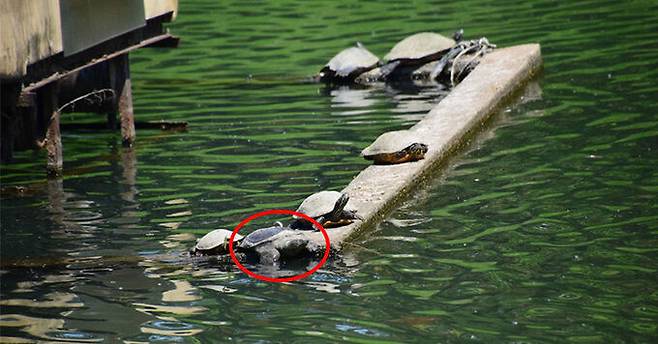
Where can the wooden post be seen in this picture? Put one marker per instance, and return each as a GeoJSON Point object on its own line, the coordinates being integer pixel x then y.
{"type": "Point", "coordinates": [9, 93]}
{"type": "Point", "coordinates": [120, 82]}
{"type": "Point", "coordinates": [53, 140]}
{"type": "Point", "coordinates": [27, 113]}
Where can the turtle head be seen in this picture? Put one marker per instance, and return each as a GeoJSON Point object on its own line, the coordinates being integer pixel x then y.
{"type": "Point", "coordinates": [341, 203]}
{"type": "Point", "coordinates": [458, 35]}
{"type": "Point", "coordinates": [417, 150]}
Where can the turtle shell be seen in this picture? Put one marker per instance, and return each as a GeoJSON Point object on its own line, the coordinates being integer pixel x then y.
{"type": "Point", "coordinates": [319, 203]}
{"type": "Point", "coordinates": [261, 236]}
{"type": "Point", "coordinates": [352, 59]}
{"type": "Point", "coordinates": [419, 45]}
{"type": "Point", "coordinates": [214, 239]}
{"type": "Point", "coordinates": [390, 142]}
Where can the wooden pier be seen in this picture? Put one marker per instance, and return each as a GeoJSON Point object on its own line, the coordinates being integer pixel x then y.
{"type": "Point", "coordinates": [53, 52]}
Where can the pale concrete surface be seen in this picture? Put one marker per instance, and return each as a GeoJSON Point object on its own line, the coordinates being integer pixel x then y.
{"type": "Point", "coordinates": [378, 188]}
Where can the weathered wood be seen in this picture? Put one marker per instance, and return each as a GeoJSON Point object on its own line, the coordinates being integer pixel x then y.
{"type": "Point", "coordinates": [53, 141]}
{"type": "Point", "coordinates": [29, 32]}
{"type": "Point", "coordinates": [27, 125]}
{"type": "Point", "coordinates": [120, 81]}
{"type": "Point", "coordinates": [59, 75]}
{"type": "Point", "coordinates": [9, 95]}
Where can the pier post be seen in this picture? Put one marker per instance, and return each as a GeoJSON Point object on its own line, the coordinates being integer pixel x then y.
{"type": "Point", "coordinates": [121, 84]}
{"type": "Point", "coordinates": [53, 141]}
{"type": "Point", "coordinates": [28, 122]}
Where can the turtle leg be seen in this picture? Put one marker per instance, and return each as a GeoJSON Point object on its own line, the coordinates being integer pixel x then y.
{"type": "Point", "coordinates": [268, 254]}
{"type": "Point", "coordinates": [387, 69]}
{"type": "Point", "coordinates": [321, 220]}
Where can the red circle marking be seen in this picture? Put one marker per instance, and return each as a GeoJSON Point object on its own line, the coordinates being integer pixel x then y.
{"type": "Point", "coordinates": [279, 212]}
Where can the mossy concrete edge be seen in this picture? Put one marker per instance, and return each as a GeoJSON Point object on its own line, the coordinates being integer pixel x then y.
{"type": "Point", "coordinates": [378, 188]}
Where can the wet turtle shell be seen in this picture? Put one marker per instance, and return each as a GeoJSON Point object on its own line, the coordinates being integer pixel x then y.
{"type": "Point", "coordinates": [419, 46]}
{"type": "Point", "coordinates": [214, 240]}
{"type": "Point", "coordinates": [261, 236]}
{"type": "Point", "coordinates": [319, 203]}
{"type": "Point", "coordinates": [348, 64]}
{"type": "Point", "coordinates": [395, 147]}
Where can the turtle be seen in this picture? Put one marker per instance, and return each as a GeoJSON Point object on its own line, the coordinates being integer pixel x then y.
{"type": "Point", "coordinates": [457, 69]}
{"type": "Point", "coordinates": [276, 242]}
{"type": "Point", "coordinates": [413, 52]}
{"type": "Point", "coordinates": [214, 243]}
{"type": "Point", "coordinates": [395, 147]}
{"type": "Point", "coordinates": [327, 208]}
{"type": "Point", "coordinates": [348, 64]}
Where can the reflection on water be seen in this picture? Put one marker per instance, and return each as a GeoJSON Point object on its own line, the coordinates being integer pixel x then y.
{"type": "Point", "coordinates": [544, 228]}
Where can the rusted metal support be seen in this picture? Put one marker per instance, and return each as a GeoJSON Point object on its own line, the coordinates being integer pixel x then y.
{"type": "Point", "coordinates": [120, 81]}
{"type": "Point", "coordinates": [53, 141]}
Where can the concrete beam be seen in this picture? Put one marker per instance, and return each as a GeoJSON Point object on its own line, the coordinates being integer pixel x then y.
{"type": "Point", "coordinates": [378, 188]}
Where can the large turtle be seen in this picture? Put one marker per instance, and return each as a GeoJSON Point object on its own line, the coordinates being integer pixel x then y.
{"type": "Point", "coordinates": [348, 64]}
{"type": "Point", "coordinates": [327, 208]}
{"type": "Point", "coordinates": [395, 147]}
{"type": "Point", "coordinates": [214, 243]}
{"type": "Point", "coordinates": [276, 242]}
{"type": "Point", "coordinates": [413, 52]}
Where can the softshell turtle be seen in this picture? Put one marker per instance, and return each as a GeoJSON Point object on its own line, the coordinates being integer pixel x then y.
{"type": "Point", "coordinates": [415, 51]}
{"type": "Point", "coordinates": [273, 243]}
{"type": "Point", "coordinates": [214, 243]}
{"type": "Point", "coordinates": [327, 208]}
{"type": "Point", "coordinates": [395, 147]}
{"type": "Point", "coordinates": [348, 64]}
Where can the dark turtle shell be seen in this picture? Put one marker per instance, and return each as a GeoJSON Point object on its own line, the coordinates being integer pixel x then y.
{"type": "Point", "coordinates": [260, 236]}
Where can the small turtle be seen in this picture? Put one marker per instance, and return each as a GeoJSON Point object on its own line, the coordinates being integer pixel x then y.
{"type": "Point", "coordinates": [214, 243]}
{"type": "Point", "coordinates": [276, 242]}
{"type": "Point", "coordinates": [348, 64]}
{"type": "Point", "coordinates": [413, 52]}
{"type": "Point", "coordinates": [327, 208]}
{"type": "Point", "coordinates": [395, 147]}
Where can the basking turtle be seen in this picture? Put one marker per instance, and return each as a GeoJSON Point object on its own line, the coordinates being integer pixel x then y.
{"type": "Point", "coordinates": [413, 52]}
{"type": "Point", "coordinates": [276, 242]}
{"type": "Point", "coordinates": [214, 243]}
{"type": "Point", "coordinates": [451, 64]}
{"type": "Point", "coordinates": [327, 208]}
{"type": "Point", "coordinates": [348, 64]}
{"type": "Point", "coordinates": [395, 147]}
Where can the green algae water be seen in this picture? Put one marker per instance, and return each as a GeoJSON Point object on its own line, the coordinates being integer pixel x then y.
{"type": "Point", "coordinates": [544, 229]}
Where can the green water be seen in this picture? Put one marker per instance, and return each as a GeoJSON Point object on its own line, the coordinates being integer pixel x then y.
{"type": "Point", "coordinates": [543, 230]}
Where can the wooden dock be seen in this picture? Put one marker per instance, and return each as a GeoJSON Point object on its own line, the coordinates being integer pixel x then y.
{"type": "Point", "coordinates": [55, 51]}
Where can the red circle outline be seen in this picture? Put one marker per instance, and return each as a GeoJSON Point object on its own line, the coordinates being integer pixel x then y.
{"type": "Point", "coordinates": [279, 212]}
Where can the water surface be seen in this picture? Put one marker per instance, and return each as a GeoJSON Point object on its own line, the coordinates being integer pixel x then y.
{"type": "Point", "coordinates": [544, 230]}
